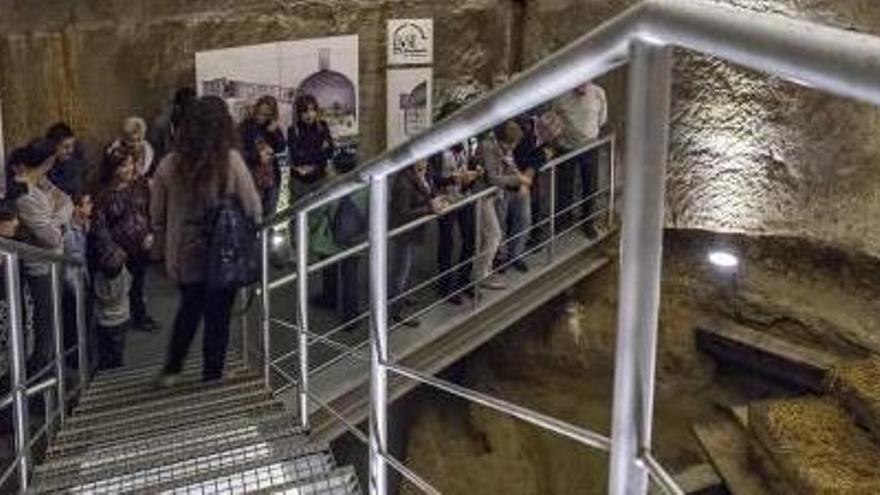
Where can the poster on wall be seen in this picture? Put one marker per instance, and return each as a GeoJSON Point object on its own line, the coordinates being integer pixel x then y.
{"type": "Point", "coordinates": [409, 103]}
{"type": "Point", "coordinates": [410, 41]}
{"type": "Point", "coordinates": [326, 68]}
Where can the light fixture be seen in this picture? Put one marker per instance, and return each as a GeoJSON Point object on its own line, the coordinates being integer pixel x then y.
{"type": "Point", "coordinates": [723, 259]}
{"type": "Point", "coordinates": [277, 239]}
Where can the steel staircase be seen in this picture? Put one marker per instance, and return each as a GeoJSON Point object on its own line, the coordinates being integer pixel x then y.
{"type": "Point", "coordinates": [230, 437]}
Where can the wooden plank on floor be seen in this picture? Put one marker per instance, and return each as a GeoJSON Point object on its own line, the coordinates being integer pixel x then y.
{"type": "Point", "coordinates": [766, 354]}
{"type": "Point", "coordinates": [726, 444]}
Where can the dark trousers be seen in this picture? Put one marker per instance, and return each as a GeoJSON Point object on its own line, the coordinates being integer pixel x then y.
{"type": "Point", "coordinates": [463, 219]}
{"type": "Point", "coordinates": [137, 267]}
{"type": "Point", "coordinates": [346, 274]}
{"type": "Point", "coordinates": [111, 345]}
{"type": "Point", "coordinates": [41, 292]}
{"type": "Point", "coordinates": [199, 303]}
{"type": "Point", "coordinates": [566, 174]}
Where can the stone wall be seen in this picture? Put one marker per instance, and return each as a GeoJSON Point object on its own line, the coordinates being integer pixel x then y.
{"type": "Point", "coordinates": [749, 153]}
{"type": "Point", "coordinates": [91, 62]}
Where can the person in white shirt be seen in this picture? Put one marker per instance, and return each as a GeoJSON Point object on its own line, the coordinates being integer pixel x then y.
{"type": "Point", "coordinates": [583, 112]}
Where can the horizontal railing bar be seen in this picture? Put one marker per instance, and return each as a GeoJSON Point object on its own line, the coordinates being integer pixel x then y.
{"type": "Point", "coordinates": [468, 200]}
{"type": "Point", "coordinates": [582, 435]}
{"type": "Point", "coordinates": [314, 337]}
{"type": "Point", "coordinates": [13, 466]}
{"type": "Point", "coordinates": [284, 374]}
{"type": "Point", "coordinates": [590, 146]}
{"type": "Point", "coordinates": [28, 252]}
{"type": "Point", "coordinates": [31, 391]}
{"type": "Point", "coordinates": [39, 374]}
{"type": "Point", "coordinates": [660, 475]}
{"type": "Point", "coordinates": [282, 389]}
{"type": "Point", "coordinates": [415, 479]}
{"type": "Point", "coordinates": [354, 430]}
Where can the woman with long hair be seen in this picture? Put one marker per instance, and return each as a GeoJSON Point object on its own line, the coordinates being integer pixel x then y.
{"type": "Point", "coordinates": [189, 185]}
{"type": "Point", "coordinates": [262, 140]}
{"type": "Point", "coordinates": [310, 144]}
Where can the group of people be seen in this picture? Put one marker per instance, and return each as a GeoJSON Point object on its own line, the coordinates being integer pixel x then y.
{"type": "Point", "coordinates": [154, 192]}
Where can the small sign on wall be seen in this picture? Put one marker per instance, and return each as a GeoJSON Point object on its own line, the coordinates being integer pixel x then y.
{"type": "Point", "coordinates": [409, 103]}
{"type": "Point", "coordinates": [410, 41]}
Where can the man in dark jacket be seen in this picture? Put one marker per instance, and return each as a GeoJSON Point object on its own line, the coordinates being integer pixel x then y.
{"type": "Point", "coordinates": [412, 196]}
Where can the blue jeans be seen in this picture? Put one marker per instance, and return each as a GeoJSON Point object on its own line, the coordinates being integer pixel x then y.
{"type": "Point", "coordinates": [401, 265]}
{"type": "Point", "coordinates": [515, 217]}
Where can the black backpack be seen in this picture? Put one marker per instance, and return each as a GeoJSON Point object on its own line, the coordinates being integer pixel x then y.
{"type": "Point", "coordinates": [349, 223]}
{"type": "Point", "coordinates": [233, 256]}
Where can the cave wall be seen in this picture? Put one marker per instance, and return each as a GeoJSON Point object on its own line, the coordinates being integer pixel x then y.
{"type": "Point", "coordinates": [749, 153]}
{"type": "Point", "coordinates": [92, 62]}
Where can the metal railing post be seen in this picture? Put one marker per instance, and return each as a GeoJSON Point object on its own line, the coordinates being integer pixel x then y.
{"type": "Point", "coordinates": [478, 225]}
{"type": "Point", "coordinates": [265, 307]}
{"type": "Point", "coordinates": [379, 341]}
{"type": "Point", "coordinates": [58, 335]}
{"type": "Point", "coordinates": [82, 338]}
{"type": "Point", "coordinates": [18, 373]}
{"type": "Point", "coordinates": [302, 313]}
{"type": "Point", "coordinates": [641, 259]}
{"type": "Point", "coordinates": [612, 180]}
{"type": "Point", "coordinates": [244, 293]}
{"type": "Point", "coordinates": [551, 245]}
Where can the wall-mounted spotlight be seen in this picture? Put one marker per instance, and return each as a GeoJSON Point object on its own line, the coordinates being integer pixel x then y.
{"type": "Point", "coordinates": [724, 260]}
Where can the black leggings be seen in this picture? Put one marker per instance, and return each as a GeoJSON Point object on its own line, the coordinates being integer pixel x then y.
{"type": "Point", "coordinates": [215, 307]}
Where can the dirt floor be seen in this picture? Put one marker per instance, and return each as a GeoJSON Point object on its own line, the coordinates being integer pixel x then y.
{"type": "Point", "coordinates": [559, 361]}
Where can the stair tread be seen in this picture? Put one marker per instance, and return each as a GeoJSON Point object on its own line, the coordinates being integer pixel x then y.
{"type": "Point", "coordinates": [148, 426]}
{"type": "Point", "coordinates": [109, 385]}
{"type": "Point", "coordinates": [182, 437]}
{"type": "Point", "coordinates": [192, 363]}
{"type": "Point", "coordinates": [142, 405]}
{"type": "Point", "coordinates": [189, 464]}
{"type": "Point", "coordinates": [277, 478]}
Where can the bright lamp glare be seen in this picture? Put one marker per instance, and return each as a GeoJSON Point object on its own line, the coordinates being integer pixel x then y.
{"type": "Point", "coordinates": [723, 259]}
{"type": "Point", "coordinates": [277, 239]}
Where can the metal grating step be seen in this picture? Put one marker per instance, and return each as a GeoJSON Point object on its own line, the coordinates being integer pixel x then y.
{"type": "Point", "coordinates": [193, 362]}
{"type": "Point", "coordinates": [279, 478]}
{"type": "Point", "coordinates": [154, 424]}
{"type": "Point", "coordinates": [133, 471]}
{"type": "Point", "coordinates": [298, 461]}
{"type": "Point", "coordinates": [149, 393]}
{"type": "Point", "coordinates": [148, 377]}
{"type": "Point", "coordinates": [158, 451]}
{"type": "Point", "coordinates": [178, 438]}
{"type": "Point", "coordinates": [205, 395]}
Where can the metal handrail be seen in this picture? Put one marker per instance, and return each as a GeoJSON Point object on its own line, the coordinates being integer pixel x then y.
{"type": "Point", "coordinates": [660, 475]}
{"type": "Point", "coordinates": [28, 252]}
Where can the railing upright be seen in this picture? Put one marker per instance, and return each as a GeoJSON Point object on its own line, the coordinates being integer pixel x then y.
{"type": "Point", "coordinates": [378, 218]}
{"type": "Point", "coordinates": [650, 85]}
{"type": "Point", "coordinates": [266, 306]}
{"type": "Point", "coordinates": [58, 338]}
{"type": "Point", "coordinates": [302, 314]}
{"type": "Point", "coordinates": [82, 338]}
{"type": "Point", "coordinates": [18, 373]}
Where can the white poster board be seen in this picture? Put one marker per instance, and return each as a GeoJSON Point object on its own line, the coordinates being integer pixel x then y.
{"type": "Point", "coordinates": [326, 68]}
{"type": "Point", "coordinates": [409, 103]}
{"type": "Point", "coordinates": [410, 41]}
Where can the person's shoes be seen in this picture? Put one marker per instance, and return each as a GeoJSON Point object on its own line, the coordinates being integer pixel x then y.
{"type": "Point", "coordinates": [590, 232]}
{"type": "Point", "coordinates": [493, 284]}
{"type": "Point", "coordinates": [455, 300]}
{"type": "Point", "coordinates": [411, 322]}
{"type": "Point", "coordinates": [167, 380]}
{"type": "Point", "coordinates": [521, 266]}
{"type": "Point", "coordinates": [146, 324]}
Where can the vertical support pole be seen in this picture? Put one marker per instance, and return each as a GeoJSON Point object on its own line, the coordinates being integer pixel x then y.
{"type": "Point", "coordinates": [478, 226]}
{"type": "Point", "coordinates": [640, 264]}
{"type": "Point", "coordinates": [18, 374]}
{"type": "Point", "coordinates": [302, 314]}
{"type": "Point", "coordinates": [612, 180]}
{"type": "Point", "coordinates": [82, 337]}
{"type": "Point", "coordinates": [379, 340]}
{"type": "Point", "coordinates": [551, 247]}
{"type": "Point", "coordinates": [244, 294]}
{"type": "Point", "coordinates": [265, 307]}
{"type": "Point", "coordinates": [49, 410]}
{"type": "Point", "coordinates": [58, 336]}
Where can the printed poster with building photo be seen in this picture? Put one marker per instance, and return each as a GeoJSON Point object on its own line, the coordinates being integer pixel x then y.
{"type": "Point", "coordinates": [326, 68]}
{"type": "Point", "coordinates": [409, 103]}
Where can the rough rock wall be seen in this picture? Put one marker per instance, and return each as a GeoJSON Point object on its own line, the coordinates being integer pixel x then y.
{"type": "Point", "coordinates": [750, 153]}
{"type": "Point", "coordinates": [91, 62]}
